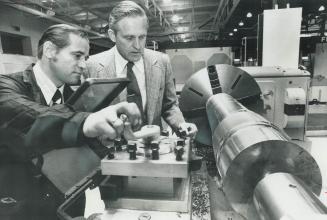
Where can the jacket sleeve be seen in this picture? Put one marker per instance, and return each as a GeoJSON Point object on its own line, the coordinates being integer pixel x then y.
{"type": "Point", "coordinates": [170, 109]}
{"type": "Point", "coordinates": [41, 126]}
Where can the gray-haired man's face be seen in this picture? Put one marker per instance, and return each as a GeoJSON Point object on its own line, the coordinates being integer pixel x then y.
{"type": "Point", "coordinates": [130, 37]}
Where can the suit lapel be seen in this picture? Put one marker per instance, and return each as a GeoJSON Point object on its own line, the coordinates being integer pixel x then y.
{"type": "Point", "coordinates": [109, 71]}
{"type": "Point", "coordinates": [152, 80]}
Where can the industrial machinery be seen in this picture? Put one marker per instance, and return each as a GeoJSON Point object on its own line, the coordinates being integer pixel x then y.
{"type": "Point", "coordinates": [248, 116]}
{"type": "Point", "coordinates": [278, 94]}
{"type": "Point", "coordinates": [263, 174]}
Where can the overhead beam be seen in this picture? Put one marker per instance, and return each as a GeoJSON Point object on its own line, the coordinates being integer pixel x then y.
{"type": "Point", "coordinates": [92, 5]}
{"type": "Point", "coordinates": [52, 18]}
{"type": "Point", "coordinates": [188, 7]}
{"type": "Point", "coordinates": [100, 15]}
{"type": "Point", "coordinates": [167, 33]}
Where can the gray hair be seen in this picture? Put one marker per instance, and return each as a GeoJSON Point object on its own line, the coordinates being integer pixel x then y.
{"type": "Point", "coordinates": [125, 9]}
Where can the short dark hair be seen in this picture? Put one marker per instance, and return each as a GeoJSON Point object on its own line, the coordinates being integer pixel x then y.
{"type": "Point", "coordinates": [125, 9]}
{"type": "Point", "coordinates": [59, 35]}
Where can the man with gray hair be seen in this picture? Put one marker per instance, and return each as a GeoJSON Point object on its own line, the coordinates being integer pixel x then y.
{"type": "Point", "coordinates": [151, 87]}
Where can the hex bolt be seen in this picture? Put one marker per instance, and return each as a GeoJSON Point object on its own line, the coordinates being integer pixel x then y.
{"type": "Point", "coordinates": [155, 150]}
{"type": "Point", "coordinates": [118, 144]}
{"type": "Point", "coordinates": [179, 151]}
{"type": "Point", "coordinates": [110, 153]}
{"type": "Point", "coordinates": [131, 149]}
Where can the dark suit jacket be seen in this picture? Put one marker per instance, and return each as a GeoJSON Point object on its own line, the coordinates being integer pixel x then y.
{"type": "Point", "coordinates": [160, 90]}
{"type": "Point", "coordinates": [28, 127]}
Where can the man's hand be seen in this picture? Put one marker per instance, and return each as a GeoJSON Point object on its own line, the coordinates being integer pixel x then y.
{"type": "Point", "coordinates": [107, 122]}
{"type": "Point", "coordinates": [189, 129]}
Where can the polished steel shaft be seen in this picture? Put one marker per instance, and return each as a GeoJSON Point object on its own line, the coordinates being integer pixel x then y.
{"type": "Point", "coordinates": [282, 195]}
{"type": "Point", "coordinates": [248, 149]}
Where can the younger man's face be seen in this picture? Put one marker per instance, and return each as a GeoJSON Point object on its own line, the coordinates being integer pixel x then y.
{"type": "Point", "coordinates": [69, 62]}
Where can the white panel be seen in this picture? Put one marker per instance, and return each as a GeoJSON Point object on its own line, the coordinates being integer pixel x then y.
{"type": "Point", "coordinates": [281, 37]}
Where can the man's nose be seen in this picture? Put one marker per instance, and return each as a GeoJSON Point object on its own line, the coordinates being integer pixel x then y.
{"type": "Point", "coordinates": [82, 64]}
{"type": "Point", "coordinates": [137, 43]}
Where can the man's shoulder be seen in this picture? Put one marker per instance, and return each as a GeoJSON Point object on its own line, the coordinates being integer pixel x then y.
{"type": "Point", "coordinates": [155, 55]}
{"type": "Point", "coordinates": [17, 76]}
{"type": "Point", "coordinates": [102, 57]}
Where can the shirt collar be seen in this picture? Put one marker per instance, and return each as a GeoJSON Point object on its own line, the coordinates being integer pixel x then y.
{"type": "Point", "coordinates": [120, 62]}
{"type": "Point", "coordinates": [47, 87]}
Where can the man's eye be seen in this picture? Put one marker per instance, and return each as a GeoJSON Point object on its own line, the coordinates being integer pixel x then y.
{"type": "Point", "coordinates": [78, 56]}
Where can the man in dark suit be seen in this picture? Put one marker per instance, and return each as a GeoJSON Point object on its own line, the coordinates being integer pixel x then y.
{"type": "Point", "coordinates": [153, 90]}
{"type": "Point", "coordinates": [33, 121]}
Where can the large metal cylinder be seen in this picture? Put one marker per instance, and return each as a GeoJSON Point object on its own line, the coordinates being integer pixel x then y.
{"type": "Point", "coordinates": [282, 195]}
{"type": "Point", "coordinates": [248, 148]}
{"type": "Point", "coordinates": [208, 81]}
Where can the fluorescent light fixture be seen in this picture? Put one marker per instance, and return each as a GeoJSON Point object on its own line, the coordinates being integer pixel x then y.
{"type": "Point", "coordinates": [250, 59]}
{"type": "Point", "coordinates": [305, 58]}
{"type": "Point", "coordinates": [50, 13]}
{"type": "Point", "coordinates": [235, 29]}
{"type": "Point", "coordinates": [241, 23]}
{"type": "Point", "coordinates": [179, 29]}
{"type": "Point", "coordinates": [305, 35]}
{"type": "Point", "coordinates": [167, 1]}
{"type": "Point", "coordinates": [175, 18]}
{"type": "Point", "coordinates": [249, 15]}
{"type": "Point", "coordinates": [236, 60]}
{"type": "Point", "coordinates": [231, 34]}
{"type": "Point", "coordinates": [321, 8]}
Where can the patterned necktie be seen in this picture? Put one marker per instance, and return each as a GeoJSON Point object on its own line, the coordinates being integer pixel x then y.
{"type": "Point", "coordinates": [56, 97]}
{"type": "Point", "coordinates": [133, 90]}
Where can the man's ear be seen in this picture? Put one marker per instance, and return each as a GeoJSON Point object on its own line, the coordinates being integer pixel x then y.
{"type": "Point", "coordinates": [49, 50]}
{"type": "Point", "coordinates": [112, 35]}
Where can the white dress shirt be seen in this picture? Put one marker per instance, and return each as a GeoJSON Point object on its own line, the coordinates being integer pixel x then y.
{"type": "Point", "coordinates": [138, 69]}
{"type": "Point", "coordinates": [47, 87]}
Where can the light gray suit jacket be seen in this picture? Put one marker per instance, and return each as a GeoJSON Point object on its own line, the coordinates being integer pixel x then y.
{"type": "Point", "coordinates": [160, 90]}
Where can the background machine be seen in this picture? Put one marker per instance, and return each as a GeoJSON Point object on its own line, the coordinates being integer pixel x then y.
{"type": "Point", "coordinates": [262, 173]}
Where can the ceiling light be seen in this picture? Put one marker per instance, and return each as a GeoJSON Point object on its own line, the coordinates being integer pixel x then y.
{"type": "Point", "coordinates": [241, 23]}
{"type": "Point", "coordinates": [179, 29]}
{"type": "Point", "coordinates": [50, 13]}
{"type": "Point", "coordinates": [321, 8]}
{"type": "Point", "coordinates": [175, 18]}
{"type": "Point", "coordinates": [235, 29]}
{"type": "Point", "coordinates": [183, 36]}
{"type": "Point", "coordinates": [231, 34]}
{"type": "Point", "coordinates": [249, 15]}
{"type": "Point", "coordinates": [325, 34]}
{"type": "Point", "coordinates": [167, 1]}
